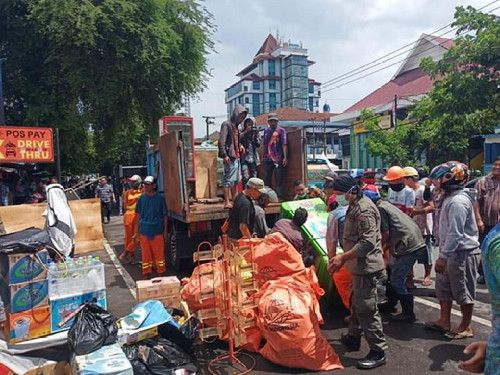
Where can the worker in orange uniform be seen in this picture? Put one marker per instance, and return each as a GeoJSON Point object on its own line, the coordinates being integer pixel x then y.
{"type": "Point", "coordinates": [150, 228]}
{"type": "Point", "coordinates": [130, 198]}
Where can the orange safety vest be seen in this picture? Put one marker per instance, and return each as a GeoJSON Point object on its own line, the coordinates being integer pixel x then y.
{"type": "Point", "coordinates": [131, 198]}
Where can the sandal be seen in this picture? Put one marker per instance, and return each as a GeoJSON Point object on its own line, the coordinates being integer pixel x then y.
{"type": "Point", "coordinates": [467, 334]}
{"type": "Point", "coordinates": [433, 326]}
{"type": "Point", "coordinates": [228, 206]}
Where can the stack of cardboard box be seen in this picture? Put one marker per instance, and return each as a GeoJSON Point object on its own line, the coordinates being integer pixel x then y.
{"type": "Point", "coordinates": [165, 289]}
{"type": "Point", "coordinates": [24, 290]}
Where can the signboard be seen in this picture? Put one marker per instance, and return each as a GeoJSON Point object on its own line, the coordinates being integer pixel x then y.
{"type": "Point", "coordinates": [384, 123]}
{"type": "Point", "coordinates": [26, 144]}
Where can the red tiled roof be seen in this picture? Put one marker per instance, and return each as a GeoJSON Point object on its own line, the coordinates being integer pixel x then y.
{"type": "Point", "coordinates": [410, 83]}
{"type": "Point", "coordinates": [269, 45]}
{"type": "Point", "coordinates": [294, 114]}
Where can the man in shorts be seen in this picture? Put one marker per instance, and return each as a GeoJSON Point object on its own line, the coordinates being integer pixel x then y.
{"type": "Point", "coordinates": [230, 151]}
{"type": "Point", "coordinates": [456, 267]}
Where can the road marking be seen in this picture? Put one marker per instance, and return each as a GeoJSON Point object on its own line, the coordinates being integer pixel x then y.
{"type": "Point", "coordinates": [455, 312]}
{"type": "Point", "coordinates": [122, 271]}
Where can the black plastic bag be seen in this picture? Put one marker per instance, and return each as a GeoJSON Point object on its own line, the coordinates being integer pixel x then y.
{"type": "Point", "coordinates": [158, 356]}
{"type": "Point", "coordinates": [93, 328]}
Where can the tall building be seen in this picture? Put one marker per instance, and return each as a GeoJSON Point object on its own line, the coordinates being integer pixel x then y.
{"type": "Point", "coordinates": [278, 76]}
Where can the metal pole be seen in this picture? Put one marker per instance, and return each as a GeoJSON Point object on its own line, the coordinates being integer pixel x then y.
{"type": "Point", "coordinates": [2, 110]}
{"type": "Point", "coordinates": [58, 157]}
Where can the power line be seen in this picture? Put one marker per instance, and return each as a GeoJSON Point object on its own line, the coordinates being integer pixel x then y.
{"type": "Point", "coordinates": [337, 78]}
{"type": "Point", "coordinates": [390, 65]}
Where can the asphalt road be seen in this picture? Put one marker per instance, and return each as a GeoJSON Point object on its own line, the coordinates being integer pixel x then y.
{"type": "Point", "coordinates": [412, 349]}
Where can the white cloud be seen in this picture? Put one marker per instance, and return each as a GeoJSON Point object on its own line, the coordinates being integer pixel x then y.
{"type": "Point", "coordinates": [340, 36]}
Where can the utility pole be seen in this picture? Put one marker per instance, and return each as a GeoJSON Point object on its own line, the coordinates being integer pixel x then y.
{"type": "Point", "coordinates": [2, 110]}
{"type": "Point", "coordinates": [209, 120]}
{"type": "Point", "coordinates": [394, 111]}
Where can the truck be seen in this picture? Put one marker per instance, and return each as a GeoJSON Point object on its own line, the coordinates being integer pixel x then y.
{"type": "Point", "coordinates": [189, 178]}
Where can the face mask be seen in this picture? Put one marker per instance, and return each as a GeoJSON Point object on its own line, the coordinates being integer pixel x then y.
{"type": "Point", "coordinates": [302, 196]}
{"type": "Point", "coordinates": [342, 200]}
{"type": "Point", "coordinates": [398, 187]}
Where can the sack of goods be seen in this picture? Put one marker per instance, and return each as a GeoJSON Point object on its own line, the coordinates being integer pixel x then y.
{"type": "Point", "coordinates": [274, 257]}
{"type": "Point", "coordinates": [288, 316]}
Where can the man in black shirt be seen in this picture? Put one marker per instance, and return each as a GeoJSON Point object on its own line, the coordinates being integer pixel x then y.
{"type": "Point", "coordinates": [242, 215]}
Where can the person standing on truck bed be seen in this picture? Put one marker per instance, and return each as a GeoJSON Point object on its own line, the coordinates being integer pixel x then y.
{"type": "Point", "coordinates": [241, 219]}
{"type": "Point", "coordinates": [151, 226]}
{"type": "Point", "coordinates": [275, 153]}
{"type": "Point", "coordinates": [230, 151]}
{"type": "Point", "coordinates": [250, 158]}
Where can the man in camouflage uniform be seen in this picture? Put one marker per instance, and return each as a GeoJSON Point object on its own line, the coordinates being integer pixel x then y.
{"type": "Point", "coordinates": [363, 258]}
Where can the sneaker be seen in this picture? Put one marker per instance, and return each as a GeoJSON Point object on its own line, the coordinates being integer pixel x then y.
{"type": "Point", "coordinates": [350, 342]}
{"type": "Point", "coordinates": [372, 360]}
{"type": "Point", "coordinates": [403, 318]}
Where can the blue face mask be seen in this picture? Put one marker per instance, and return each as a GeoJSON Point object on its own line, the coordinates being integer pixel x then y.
{"type": "Point", "coordinates": [342, 200]}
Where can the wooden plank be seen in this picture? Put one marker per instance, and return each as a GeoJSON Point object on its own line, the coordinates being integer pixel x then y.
{"type": "Point", "coordinates": [295, 170]}
{"type": "Point", "coordinates": [206, 173]}
{"type": "Point", "coordinates": [86, 212]}
{"type": "Point", "coordinates": [171, 174]}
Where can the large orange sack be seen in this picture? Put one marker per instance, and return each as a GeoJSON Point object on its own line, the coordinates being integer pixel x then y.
{"type": "Point", "coordinates": [343, 282]}
{"type": "Point", "coordinates": [274, 257]}
{"type": "Point", "coordinates": [288, 319]}
{"type": "Point", "coordinates": [192, 288]}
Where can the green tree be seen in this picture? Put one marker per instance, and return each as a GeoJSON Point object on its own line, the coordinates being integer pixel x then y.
{"type": "Point", "coordinates": [103, 71]}
{"type": "Point", "coordinates": [464, 101]}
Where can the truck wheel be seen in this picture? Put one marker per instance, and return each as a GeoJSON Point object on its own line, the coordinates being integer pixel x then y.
{"type": "Point", "coordinates": [173, 257]}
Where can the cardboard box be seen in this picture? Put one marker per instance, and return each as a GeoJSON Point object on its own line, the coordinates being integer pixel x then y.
{"type": "Point", "coordinates": [28, 325]}
{"type": "Point", "coordinates": [108, 360]}
{"type": "Point", "coordinates": [25, 296]}
{"type": "Point", "coordinates": [131, 337]}
{"type": "Point", "coordinates": [62, 307]}
{"type": "Point", "coordinates": [157, 288]}
{"type": "Point", "coordinates": [24, 267]}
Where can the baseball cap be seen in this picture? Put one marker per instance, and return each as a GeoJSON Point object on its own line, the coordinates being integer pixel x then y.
{"type": "Point", "coordinates": [149, 180]}
{"type": "Point", "coordinates": [273, 116]}
{"type": "Point", "coordinates": [135, 178]}
{"type": "Point", "coordinates": [256, 183]}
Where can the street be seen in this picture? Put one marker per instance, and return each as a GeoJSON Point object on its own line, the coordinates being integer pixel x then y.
{"type": "Point", "coordinates": [412, 348]}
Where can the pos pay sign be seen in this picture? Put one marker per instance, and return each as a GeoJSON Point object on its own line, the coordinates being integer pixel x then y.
{"type": "Point", "coordinates": [26, 144]}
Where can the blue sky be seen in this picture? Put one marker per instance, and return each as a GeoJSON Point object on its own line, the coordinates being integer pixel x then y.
{"type": "Point", "coordinates": [340, 36]}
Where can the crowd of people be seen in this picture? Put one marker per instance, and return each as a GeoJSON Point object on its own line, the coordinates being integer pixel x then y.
{"type": "Point", "coordinates": [379, 241]}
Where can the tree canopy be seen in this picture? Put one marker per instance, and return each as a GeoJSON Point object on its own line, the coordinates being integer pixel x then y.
{"type": "Point", "coordinates": [463, 103]}
{"type": "Point", "coordinates": [103, 71]}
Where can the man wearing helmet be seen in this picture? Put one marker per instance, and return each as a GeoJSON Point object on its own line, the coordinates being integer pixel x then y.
{"type": "Point", "coordinates": [399, 195]}
{"type": "Point", "coordinates": [456, 267]}
{"type": "Point", "coordinates": [422, 215]}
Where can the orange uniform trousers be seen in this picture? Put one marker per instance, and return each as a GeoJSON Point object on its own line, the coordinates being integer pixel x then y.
{"type": "Point", "coordinates": [129, 222]}
{"type": "Point", "coordinates": [153, 254]}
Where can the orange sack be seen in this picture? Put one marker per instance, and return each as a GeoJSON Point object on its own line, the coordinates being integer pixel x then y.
{"type": "Point", "coordinates": [343, 282]}
{"type": "Point", "coordinates": [194, 286]}
{"type": "Point", "coordinates": [274, 257]}
{"type": "Point", "coordinates": [288, 319]}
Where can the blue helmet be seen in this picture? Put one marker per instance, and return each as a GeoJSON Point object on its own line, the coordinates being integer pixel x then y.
{"type": "Point", "coordinates": [356, 173]}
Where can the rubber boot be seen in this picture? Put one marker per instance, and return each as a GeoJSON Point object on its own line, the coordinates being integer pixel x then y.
{"type": "Point", "coordinates": [389, 306]}
{"type": "Point", "coordinates": [407, 316]}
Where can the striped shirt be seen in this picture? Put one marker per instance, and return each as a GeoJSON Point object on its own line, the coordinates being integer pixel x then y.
{"type": "Point", "coordinates": [105, 193]}
{"type": "Point", "coordinates": [488, 197]}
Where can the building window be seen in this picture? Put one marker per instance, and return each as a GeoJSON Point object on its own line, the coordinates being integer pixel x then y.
{"type": "Point", "coordinates": [256, 85]}
{"type": "Point", "coordinates": [255, 104]}
{"type": "Point", "coordinates": [272, 85]}
{"type": "Point", "coordinates": [311, 88]}
{"type": "Point", "coordinates": [247, 100]}
{"type": "Point", "coordinates": [272, 101]}
{"type": "Point", "coordinates": [271, 67]}
{"type": "Point", "coordinates": [311, 103]}
{"type": "Point", "coordinates": [245, 88]}
{"type": "Point", "coordinates": [240, 98]}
